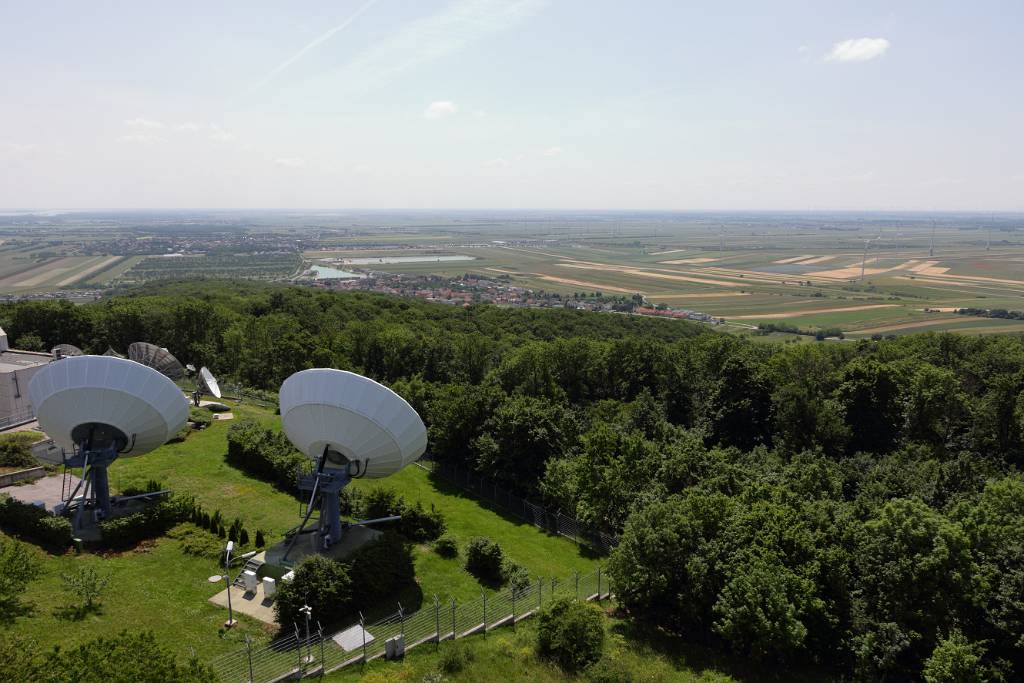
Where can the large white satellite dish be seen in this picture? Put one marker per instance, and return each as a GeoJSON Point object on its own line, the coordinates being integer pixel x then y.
{"type": "Point", "coordinates": [101, 408]}
{"type": "Point", "coordinates": [354, 419]}
{"type": "Point", "coordinates": [353, 427]}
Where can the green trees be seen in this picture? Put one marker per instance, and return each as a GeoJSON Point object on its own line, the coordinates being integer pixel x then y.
{"type": "Point", "coordinates": [485, 560]}
{"type": "Point", "coordinates": [17, 569]}
{"type": "Point", "coordinates": [122, 658]}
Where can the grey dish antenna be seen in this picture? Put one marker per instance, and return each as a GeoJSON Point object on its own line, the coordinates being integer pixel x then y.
{"type": "Point", "coordinates": [351, 427]}
{"type": "Point", "coordinates": [100, 408]}
{"type": "Point", "coordinates": [112, 353]}
{"type": "Point", "coordinates": [65, 351]}
{"type": "Point", "coordinates": [206, 383]}
{"type": "Point", "coordinates": [158, 358]}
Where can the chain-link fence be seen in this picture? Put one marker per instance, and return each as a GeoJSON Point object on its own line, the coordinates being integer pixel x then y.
{"type": "Point", "coordinates": [296, 655]}
{"type": "Point", "coordinates": [554, 522]}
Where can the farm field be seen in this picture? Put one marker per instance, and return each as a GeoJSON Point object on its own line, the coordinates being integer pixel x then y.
{"type": "Point", "coordinates": [806, 278]}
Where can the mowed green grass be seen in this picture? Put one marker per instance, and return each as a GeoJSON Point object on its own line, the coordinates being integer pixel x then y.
{"type": "Point", "coordinates": [157, 587]}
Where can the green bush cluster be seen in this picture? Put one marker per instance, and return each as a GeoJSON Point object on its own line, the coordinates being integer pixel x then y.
{"type": "Point", "coordinates": [153, 521]}
{"type": "Point", "coordinates": [34, 524]}
{"type": "Point", "coordinates": [265, 454]}
{"type": "Point", "coordinates": [215, 524]}
{"type": "Point", "coordinates": [417, 523]}
{"type": "Point", "coordinates": [16, 451]}
{"type": "Point", "coordinates": [571, 634]}
{"type": "Point", "coordinates": [200, 417]}
{"type": "Point", "coordinates": [197, 541]}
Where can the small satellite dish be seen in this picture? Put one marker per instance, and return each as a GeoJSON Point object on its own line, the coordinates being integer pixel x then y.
{"type": "Point", "coordinates": [209, 382]}
{"type": "Point", "coordinates": [156, 357]}
{"type": "Point", "coordinates": [65, 351]}
{"type": "Point", "coordinates": [353, 419]}
{"type": "Point", "coordinates": [112, 353]}
{"type": "Point", "coordinates": [189, 368]}
{"type": "Point", "coordinates": [352, 427]}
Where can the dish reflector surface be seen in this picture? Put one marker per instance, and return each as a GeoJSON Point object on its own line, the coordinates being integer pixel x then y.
{"type": "Point", "coordinates": [158, 358]}
{"type": "Point", "coordinates": [209, 382]}
{"type": "Point", "coordinates": [111, 352]}
{"type": "Point", "coordinates": [132, 398]}
{"type": "Point", "coordinates": [353, 415]}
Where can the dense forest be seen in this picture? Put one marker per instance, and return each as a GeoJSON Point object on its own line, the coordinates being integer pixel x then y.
{"type": "Point", "coordinates": [852, 506]}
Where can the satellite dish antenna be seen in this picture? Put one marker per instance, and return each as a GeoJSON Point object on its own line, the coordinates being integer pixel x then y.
{"type": "Point", "coordinates": [351, 427]}
{"type": "Point", "coordinates": [206, 383]}
{"type": "Point", "coordinates": [65, 351]}
{"type": "Point", "coordinates": [112, 353]}
{"type": "Point", "coordinates": [156, 357]}
{"type": "Point", "coordinates": [101, 408]}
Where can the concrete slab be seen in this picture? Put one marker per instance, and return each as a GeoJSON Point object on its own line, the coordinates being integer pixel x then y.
{"type": "Point", "coordinates": [254, 604]}
{"type": "Point", "coordinates": [47, 489]}
{"type": "Point", "coordinates": [352, 539]}
{"type": "Point", "coordinates": [351, 639]}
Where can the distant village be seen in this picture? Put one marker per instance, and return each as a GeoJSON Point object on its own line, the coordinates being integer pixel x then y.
{"type": "Point", "coordinates": [477, 289]}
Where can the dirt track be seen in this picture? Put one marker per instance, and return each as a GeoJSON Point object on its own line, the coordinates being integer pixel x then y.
{"type": "Point", "coordinates": [793, 314]}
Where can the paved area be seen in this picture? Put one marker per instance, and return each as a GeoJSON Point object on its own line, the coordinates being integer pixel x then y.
{"type": "Point", "coordinates": [46, 489]}
{"type": "Point", "coordinates": [352, 638]}
{"type": "Point", "coordinates": [255, 605]}
{"type": "Point", "coordinates": [32, 426]}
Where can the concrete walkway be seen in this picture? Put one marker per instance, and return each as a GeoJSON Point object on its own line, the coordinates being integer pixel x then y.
{"type": "Point", "coordinates": [255, 605]}
{"type": "Point", "coordinates": [46, 489]}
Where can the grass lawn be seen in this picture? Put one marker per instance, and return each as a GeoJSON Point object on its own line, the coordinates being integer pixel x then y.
{"type": "Point", "coordinates": [158, 587]}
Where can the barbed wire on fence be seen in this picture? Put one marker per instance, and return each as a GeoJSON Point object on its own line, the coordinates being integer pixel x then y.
{"type": "Point", "coordinates": [538, 515]}
{"type": "Point", "coordinates": [295, 656]}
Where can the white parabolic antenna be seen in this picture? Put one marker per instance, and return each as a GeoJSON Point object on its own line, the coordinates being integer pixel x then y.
{"type": "Point", "coordinates": [128, 405]}
{"type": "Point", "coordinates": [209, 382]}
{"type": "Point", "coordinates": [353, 419]}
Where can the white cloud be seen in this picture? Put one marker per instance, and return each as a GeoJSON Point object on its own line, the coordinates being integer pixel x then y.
{"type": "Point", "coordinates": [16, 146]}
{"type": "Point", "coordinates": [218, 134]}
{"type": "Point", "coordinates": [552, 151]}
{"type": "Point", "coordinates": [440, 109]}
{"type": "Point", "coordinates": [143, 123]}
{"type": "Point", "coordinates": [479, 113]}
{"type": "Point", "coordinates": [858, 50]}
{"type": "Point", "coordinates": [497, 163]}
{"type": "Point", "coordinates": [142, 139]}
{"type": "Point", "coordinates": [188, 126]}
{"type": "Point", "coordinates": [290, 162]}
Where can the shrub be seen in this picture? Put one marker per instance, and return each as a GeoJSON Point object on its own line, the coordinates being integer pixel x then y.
{"type": "Point", "coordinates": [571, 634]}
{"type": "Point", "coordinates": [956, 660]}
{"type": "Point", "coordinates": [446, 547]}
{"type": "Point", "coordinates": [261, 540]}
{"type": "Point", "coordinates": [608, 670]}
{"type": "Point", "coordinates": [87, 585]}
{"type": "Point", "coordinates": [197, 541]}
{"type": "Point", "coordinates": [321, 583]}
{"type": "Point", "coordinates": [34, 524]}
{"type": "Point", "coordinates": [200, 417]}
{"type": "Point", "coordinates": [16, 451]}
{"type": "Point", "coordinates": [515, 576]}
{"type": "Point", "coordinates": [17, 569]}
{"type": "Point", "coordinates": [381, 570]}
{"type": "Point", "coordinates": [484, 560]}
{"type": "Point", "coordinates": [455, 657]}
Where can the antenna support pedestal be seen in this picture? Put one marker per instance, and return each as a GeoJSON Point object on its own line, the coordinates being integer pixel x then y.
{"type": "Point", "coordinates": [94, 464]}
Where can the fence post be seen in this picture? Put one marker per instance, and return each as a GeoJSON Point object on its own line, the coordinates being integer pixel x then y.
{"type": "Point", "coordinates": [362, 627]}
{"type": "Point", "coordinates": [513, 609]}
{"type": "Point", "coordinates": [599, 583]}
{"type": "Point", "coordinates": [540, 593]}
{"type": "Point", "coordinates": [484, 596]}
{"type": "Point", "coordinates": [577, 577]}
{"type": "Point", "coordinates": [437, 623]}
{"type": "Point", "coordinates": [323, 659]}
{"type": "Point", "coordinates": [454, 630]}
{"type": "Point", "coordinates": [302, 663]}
{"type": "Point", "coordinates": [248, 654]}
{"type": "Point", "coordinates": [401, 619]}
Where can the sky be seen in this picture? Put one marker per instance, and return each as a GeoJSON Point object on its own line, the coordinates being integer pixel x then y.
{"type": "Point", "coordinates": [571, 104]}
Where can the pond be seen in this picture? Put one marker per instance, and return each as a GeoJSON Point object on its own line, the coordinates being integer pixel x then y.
{"type": "Point", "coordinates": [328, 273]}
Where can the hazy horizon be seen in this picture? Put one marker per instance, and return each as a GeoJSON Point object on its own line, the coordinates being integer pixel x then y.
{"type": "Point", "coordinates": [513, 105]}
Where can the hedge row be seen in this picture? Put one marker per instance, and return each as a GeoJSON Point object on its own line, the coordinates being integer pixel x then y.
{"type": "Point", "coordinates": [34, 524]}
{"type": "Point", "coordinates": [265, 454]}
